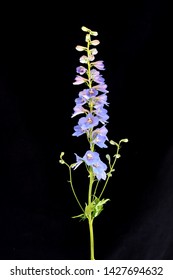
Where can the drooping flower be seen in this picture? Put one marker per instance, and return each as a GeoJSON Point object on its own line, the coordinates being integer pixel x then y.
{"type": "Point", "coordinates": [78, 109]}
{"type": "Point", "coordinates": [79, 80]}
{"type": "Point", "coordinates": [101, 87]}
{"type": "Point", "coordinates": [100, 131]}
{"type": "Point", "coordinates": [97, 77]}
{"type": "Point", "coordinates": [101, 113]}
{"type": "Point", "coordinates": [78, 131]}
{"type": "Point", "coordinates": [100, 100]}
{"type": "Point", "coordinates": [98, 64]}
{"type": "Point", "coordinates": [99, 169]}
{"type": "Point", "coordinates": [99, 140]}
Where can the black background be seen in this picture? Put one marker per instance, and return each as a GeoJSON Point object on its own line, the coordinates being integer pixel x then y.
{"type": "Point", "coordinates": [37, 68]}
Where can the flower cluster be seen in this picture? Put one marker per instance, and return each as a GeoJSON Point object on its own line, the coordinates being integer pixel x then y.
{"type": "Point", "coordinates": [91, 103]}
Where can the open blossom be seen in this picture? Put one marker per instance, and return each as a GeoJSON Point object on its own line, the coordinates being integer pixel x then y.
{"type": "Point", "coordinates": [93, 160]}
{"type": "Point", "coordinates": [88, 122]}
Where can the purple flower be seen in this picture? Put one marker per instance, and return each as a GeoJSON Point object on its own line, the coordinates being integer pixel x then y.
{"type": "Point", "coordinates": [78, 109]}
{"type": "Point", "coordinates": [79, 80]}
{"type": "Point", "coordinates": [101, 87]}
{"type": "Point", "coordinates": [81, 70]}
{"type": "Point", "coordinates": [88, 122]}
{"type": "Point", "coordinates": [98, 64]}
{"type": "Point", "coordinates": [96, 77]}
{"type": "Point", "coordinates": [100, 101]}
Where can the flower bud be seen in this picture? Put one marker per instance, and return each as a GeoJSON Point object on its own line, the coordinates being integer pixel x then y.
{"type": "Point", "coordinates": [95, 42]}
{"type": "Point", "coordinates": [85, 29]}
{"type": "Point", "coordinates": [94, 33]}
{"type": "Point", "coordinates": [80, 48]}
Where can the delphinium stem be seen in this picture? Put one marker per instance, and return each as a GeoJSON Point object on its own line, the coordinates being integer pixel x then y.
{"type": "Point", "coordinates": [90, 218]}
{"type": "Point", "coordinates": [90, 222]}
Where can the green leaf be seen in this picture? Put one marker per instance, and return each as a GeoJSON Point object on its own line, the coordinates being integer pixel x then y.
{"type": "Point", "coordinates": [89, 209]}
{"type": "Point", "coordinates": [81, 216]}
{"type": "Point", "coordinates": [98, 206]}
{"type": "Point", "coordinates": [73, 165]}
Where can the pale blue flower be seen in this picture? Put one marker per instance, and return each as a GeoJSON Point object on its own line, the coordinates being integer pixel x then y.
{"type": "Point", "coordinates": [88, 122]}
{"type": "Point", "coordinates": [101, 113]}
{"type": "Point", "coordinates": [78, 130]}
{"type": "Point", "coordinates": [99, 140]}
{"type": "Point", "coordinates": [99, 169]}
{"type": "Point", "coordinates": [92, 159]}
{"type": "Point", "coordinates": [88, 93]}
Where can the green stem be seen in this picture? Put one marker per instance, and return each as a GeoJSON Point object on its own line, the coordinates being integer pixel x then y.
{"type": "Point", "coordinates": [94, 194]}
{"type": "Point", "coordinates": [90, 222]}
{"type": "Point", "coordinates": [71, 184]}
{"type": "Point", "coordinates": [90, 219]}
{"type": "Point", "coordinates": [109, 173]}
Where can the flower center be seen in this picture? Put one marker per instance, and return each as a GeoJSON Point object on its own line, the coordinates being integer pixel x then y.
{"type": "Point", "coordinates": [89, 120]}
{"type": "Point", "coordinates": [89, 156]}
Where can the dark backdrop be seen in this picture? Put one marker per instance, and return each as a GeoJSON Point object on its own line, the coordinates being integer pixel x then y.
{"type": "Point", "coordinates": [37, 68]}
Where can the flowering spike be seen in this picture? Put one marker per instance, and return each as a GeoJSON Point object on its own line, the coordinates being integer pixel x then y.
{"type": "Point", "coordinates": [91, 102]}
